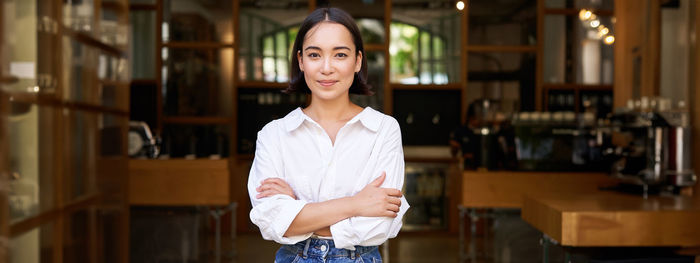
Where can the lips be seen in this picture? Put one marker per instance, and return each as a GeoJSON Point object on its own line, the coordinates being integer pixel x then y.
{"type": "Point", "coordinates": [327, 83]}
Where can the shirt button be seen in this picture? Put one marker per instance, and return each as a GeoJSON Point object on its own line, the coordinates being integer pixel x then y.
{"type": "Point", "coordinates": [323, 247]}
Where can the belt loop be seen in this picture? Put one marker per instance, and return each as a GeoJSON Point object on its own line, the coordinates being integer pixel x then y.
{"type": "Point", "coordinates": [352, 254]}
{"type": "Point", "coordinates": [306, 248]}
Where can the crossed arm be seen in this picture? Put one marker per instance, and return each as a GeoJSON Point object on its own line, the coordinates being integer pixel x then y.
{"type": "Point", "coordinates": [372, 201]}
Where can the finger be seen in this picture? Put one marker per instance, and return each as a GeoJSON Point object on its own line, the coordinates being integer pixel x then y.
{"type": "Point", "coordinates": [392, 192]}
{"type": "Point", "coordinates": [281, 183]}
{"type": "Point", "coordinates": [378, 182]}
{"type": "Point", "coordinates": [267, 193]}
{"type": "Point", "coordinates": [394, 200]}
{"type": "Point", "coordinates": [274, 180]}
{"type": "Point", "coordinates": [393, 208]}
{"type": "Point", "coordinates": [274, 187]}
{"type": "Point", "coordinates": [390, 214]}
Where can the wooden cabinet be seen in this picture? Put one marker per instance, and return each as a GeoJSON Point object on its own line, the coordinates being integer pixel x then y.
{"type": "Point", "coordinates": [64, 96]}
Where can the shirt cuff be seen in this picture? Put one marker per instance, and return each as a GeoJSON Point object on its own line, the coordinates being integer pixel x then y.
{"type": "Point", "coordinates": [343, 235]}
{"type": "Point", "coordinates": [274, 217]}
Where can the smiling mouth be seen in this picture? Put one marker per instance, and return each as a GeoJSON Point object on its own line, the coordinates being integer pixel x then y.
{"type": "Point", "coordinates": [327, 83]}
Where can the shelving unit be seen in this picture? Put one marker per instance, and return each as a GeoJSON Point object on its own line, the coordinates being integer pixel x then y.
{"type": "Point", "coordinates": [66, 107]}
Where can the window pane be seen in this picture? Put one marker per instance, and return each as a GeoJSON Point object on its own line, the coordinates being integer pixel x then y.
{"type": "Point", "coordinates": [198, 20]}
{"type": "Point", "coordinates": [503, 22]}
{"type": "Point", "coordinates": [196, 141]}
{"type": "Point", "coordinates": [143, 35]}
{"type": "Point", "coordinates": [31, 164]}
{"type": "Point", "coordinates": [80, 75]}
{"type": "Point", "coordinates": [574, 52]}
{"type": "Point", "coordinates": [197, 82]}
{"type": "Point", "coordinates": [79, 15]}
{"type": "Point", "coordinates": [262, 30]}
{"type": "Point", "coordinates": [80, 153]}
{"type": "Point", "coordinates": [418, 30]}
{"type": "Point", "coordinates": [35, 245]}
{"type": "Point", "coordinates": [372, 30]}
{"type": "Point", "coordinates": [114, 24]}
{"type": "Point", "coordinates": [26, 63]}
{"type": "Point", "coordinates": [369, 16]}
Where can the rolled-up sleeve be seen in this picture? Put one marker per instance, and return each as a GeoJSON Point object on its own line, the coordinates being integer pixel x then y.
{"type": "Point", "coordinates": [373, 231]}
{"type": "Point", "coordinates": [273, 214]}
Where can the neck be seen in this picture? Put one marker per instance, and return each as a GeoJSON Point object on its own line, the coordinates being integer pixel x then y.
{"type": "Point", "coordinates": [324, 110]}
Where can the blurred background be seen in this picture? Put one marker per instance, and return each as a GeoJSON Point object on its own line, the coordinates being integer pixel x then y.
{"type": "Point", "coordinates": [533, 130]}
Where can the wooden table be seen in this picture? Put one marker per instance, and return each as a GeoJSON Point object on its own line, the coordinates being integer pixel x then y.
{"type": "Point", "coordinates": [608, 219]}
{"type": "Point", "coordinates": [507, 189]}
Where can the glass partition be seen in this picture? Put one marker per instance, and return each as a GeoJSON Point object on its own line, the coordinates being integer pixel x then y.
{"type": "Point", "coordinates": [425, 42]}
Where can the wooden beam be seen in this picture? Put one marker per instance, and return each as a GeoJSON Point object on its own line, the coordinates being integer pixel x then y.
{"type": "Point", "coordinates": [694, 93]}
{"type": "Point", "coordinates": [4, 170]}
{"type": "Point", "coordinates": [511, 49]}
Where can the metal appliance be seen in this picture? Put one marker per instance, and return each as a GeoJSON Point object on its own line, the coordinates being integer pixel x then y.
{"type": "Point", "coordinates": [652, 144]}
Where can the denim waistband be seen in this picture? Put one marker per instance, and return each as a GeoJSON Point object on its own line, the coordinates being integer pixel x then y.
{"type": "Point", "coordinates": [325, 248]}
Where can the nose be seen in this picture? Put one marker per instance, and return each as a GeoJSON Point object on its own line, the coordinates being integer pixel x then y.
{"type": "Point", "coordinates": [327, 67]}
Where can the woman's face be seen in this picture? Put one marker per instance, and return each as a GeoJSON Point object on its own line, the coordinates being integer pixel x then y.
{"type": "Point", "coordinates": [328, 61]}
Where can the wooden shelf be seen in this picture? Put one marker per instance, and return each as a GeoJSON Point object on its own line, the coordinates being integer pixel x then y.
{"type": "Point", "coordinates": [575, 11]}
{"type": "Point", "coordinates": [8, 79]}
{"type": "Point", "coordinates": [584, 87]}
{"type": "Point", "coordinates": [504, 48]}
{"type": "Point", "coordinates": [143, 7]}
{"type": "Point", "coordinates": [449, 86]}
{"type": "Point", "coordinates": [262, 84]}
{"type": "Point", "coordinates": [197, 45]}
{"type": "Point", "coordinates": [116, 6]}
{"type": "Point", "coordinates": [89, 40]}
{"type": "Point", "coordinates": [109, 82]}
{"type": "Point", "coordinates": [197, 120]}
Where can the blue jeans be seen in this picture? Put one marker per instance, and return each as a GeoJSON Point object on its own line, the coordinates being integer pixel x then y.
{"type": "Point", "coordinates": [323, 250]}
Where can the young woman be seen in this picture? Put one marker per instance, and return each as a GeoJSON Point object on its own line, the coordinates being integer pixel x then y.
{"type": "Point", "coordinates": [325, 180]}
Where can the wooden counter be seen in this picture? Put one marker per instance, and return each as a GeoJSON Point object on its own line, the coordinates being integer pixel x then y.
{"type": "Point", "coordinates": [614, 219]}
{"type": "Point", "coordinates": [506, 189]}
{"type": "Point", "coordinates": [179, 182]}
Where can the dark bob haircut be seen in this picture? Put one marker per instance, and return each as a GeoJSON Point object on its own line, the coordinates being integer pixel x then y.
{"type": "Point", "coordinates": [297, 83]}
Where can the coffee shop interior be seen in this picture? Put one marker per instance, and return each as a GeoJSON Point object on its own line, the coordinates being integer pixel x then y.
{"type": "Point", "coordinates": [533, 130]}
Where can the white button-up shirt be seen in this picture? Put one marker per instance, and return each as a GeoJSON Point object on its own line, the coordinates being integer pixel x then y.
{"type": "Point", "coordinates": [297, 150]}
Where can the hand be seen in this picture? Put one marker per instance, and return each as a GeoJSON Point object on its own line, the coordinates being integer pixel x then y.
{"type": "Point", "coordinates": [274, 186]}
{"type": "Point", "coordinates": [374, 201]}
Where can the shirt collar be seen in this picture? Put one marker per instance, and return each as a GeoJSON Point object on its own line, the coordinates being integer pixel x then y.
{"type": "Point", "coordinates": [369, 118]}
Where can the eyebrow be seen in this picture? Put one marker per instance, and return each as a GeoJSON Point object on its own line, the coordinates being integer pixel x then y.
{"type": "Point", "coordinates": [335, 48]}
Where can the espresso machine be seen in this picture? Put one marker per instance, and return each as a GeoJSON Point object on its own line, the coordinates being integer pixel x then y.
{"type": "Point", "coordinates": [651, 143]}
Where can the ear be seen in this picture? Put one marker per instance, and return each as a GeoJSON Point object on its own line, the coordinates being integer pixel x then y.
{"type": "Point", "coordinates": [358, 61]}
{"type": "Point", "coordinates": [301, 63]}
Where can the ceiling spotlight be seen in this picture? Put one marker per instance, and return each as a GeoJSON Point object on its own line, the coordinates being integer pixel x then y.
{"type": "Point", "coordinates": [585, 14]}
{"type": "Point", "coordinates": [460, 5]}
{"type": "Point", "coordinates": [603, 30]}
{"type": "Point", "coordinates": [595, 23]}
{"type": "Point", "coordinates": [609, 40]}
